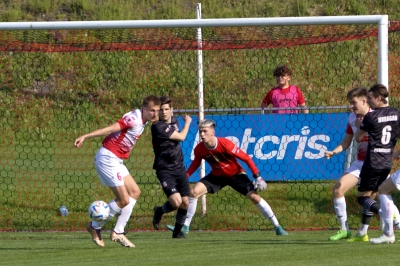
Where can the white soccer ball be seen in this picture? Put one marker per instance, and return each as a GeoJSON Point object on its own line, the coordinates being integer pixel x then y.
{"type": "Point", "coordinates": [99, 211]}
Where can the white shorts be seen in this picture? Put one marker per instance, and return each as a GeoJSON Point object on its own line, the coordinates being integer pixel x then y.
{"type": "Point", "coordinates": [110, 169]}
{"type": "Point", "coordinates": [396, 179]}
{"type": "Point", "coordinates": [355, 168]}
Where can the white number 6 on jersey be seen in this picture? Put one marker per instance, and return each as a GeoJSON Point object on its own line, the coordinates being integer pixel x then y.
{"type": "Point", "coordinates": [386, 134]}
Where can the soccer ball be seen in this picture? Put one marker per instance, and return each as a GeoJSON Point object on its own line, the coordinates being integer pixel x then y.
{"type": "Point", "coordinates": [99, 211]}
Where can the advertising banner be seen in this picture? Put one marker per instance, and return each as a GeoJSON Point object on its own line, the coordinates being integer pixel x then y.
{"type": "Point", "coordinates": [283, 147]}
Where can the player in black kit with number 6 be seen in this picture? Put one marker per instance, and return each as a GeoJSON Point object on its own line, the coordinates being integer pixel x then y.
{"type": "Point", "coordinates": [382, 126]}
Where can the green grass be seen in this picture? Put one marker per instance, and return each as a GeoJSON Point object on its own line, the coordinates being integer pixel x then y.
{"type": "Point", "coordinates": [199, 248]}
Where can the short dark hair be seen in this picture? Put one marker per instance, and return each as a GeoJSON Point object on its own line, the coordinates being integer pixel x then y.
{"type": "Point", "coordinates": [357, 92]}
{"type": "Point", "coordinates": [166, 100]}
{"type": "Point", "coordinates": [379, 90]}
{"type": "Point", "coordinates": [151, 99]}
{"type": "Point", "coordinates": [282, 71]}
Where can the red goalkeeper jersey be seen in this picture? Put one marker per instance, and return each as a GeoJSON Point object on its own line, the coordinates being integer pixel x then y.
{"type": "Point", "coordinates": [222, 159]}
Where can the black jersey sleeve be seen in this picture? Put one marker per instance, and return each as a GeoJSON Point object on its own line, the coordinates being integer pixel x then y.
{"type": "Point", "coordinates": [366, 122]}
{"type": "Point", "coordinates": [162, 130]}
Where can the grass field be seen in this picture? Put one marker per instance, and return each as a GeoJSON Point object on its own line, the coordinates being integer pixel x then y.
{"type": "Point", "coordinates": [199, 248]}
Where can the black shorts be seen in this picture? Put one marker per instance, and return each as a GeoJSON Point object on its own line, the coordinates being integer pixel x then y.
{"type": "Point", "coordinates": [174, 182]}
{"type": "Point", "coordinates": [371, 179]}
{"type": "Point", "coordinates": [240, 182]}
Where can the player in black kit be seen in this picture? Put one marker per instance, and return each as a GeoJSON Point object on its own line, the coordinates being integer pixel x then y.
{"type": "Point", "coordinates": [382, 126]}
{"type": "Point", "coordinates": [169, 166]}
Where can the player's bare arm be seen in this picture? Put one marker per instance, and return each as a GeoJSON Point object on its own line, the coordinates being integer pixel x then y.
{"type": "Point", "coordinates": [263, 105]}
{"type": "Point", "coordinates": [344, 145]}
{"type": "Point", "coordinates": [360, 133]}
{"type": "Point", "coordinates": [181, 136]}
{"type": "Point", "coordinates": [97, 133]}
{"type": "Point", "coordinates": [304, 110]}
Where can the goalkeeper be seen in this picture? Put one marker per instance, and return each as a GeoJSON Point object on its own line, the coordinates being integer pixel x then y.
{"type": "Point", "coordinates": [222, 154]}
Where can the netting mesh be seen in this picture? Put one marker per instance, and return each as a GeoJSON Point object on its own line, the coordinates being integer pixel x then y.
{"type": "Point", "coordinates": [56, 85]}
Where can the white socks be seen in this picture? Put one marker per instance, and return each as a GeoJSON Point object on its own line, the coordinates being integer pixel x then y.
{"type": "Point", "coordinates": [339, 205]}
{"type": "Point", "coordinates": [123, 218]}
{"type": "Point", "coordinates": [387, 209]}
{"type": "Point", "coordinates": [267, 212]}
{"type": "Point", "coordinates": [191, 211]}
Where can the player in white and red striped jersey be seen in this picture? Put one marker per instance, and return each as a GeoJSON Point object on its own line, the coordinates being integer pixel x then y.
{"type": "Point", "coordinates": [357, 98]}
{"type": "Point", "coordinates": [121, 138]}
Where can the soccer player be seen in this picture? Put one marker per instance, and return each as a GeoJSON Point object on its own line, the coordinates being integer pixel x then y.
{"type": "Point", "coordinates": [222, 154]}
{"type": "Point", "coordinates": [382, 126]}
{"type": "Point", "coordinates": [357, 98]}
{"type": "Point", "coordinates": [169, 166]}
{"type": "Point", "coordinates": [284, 94]}
{"type": "Point", "coordinates": [121, 138]}
{"type": "Point", "coordinates": [388, 209]}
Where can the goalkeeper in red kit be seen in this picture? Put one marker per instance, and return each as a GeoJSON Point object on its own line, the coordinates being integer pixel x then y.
{"type": "Point", "coordinates": [222, 154]}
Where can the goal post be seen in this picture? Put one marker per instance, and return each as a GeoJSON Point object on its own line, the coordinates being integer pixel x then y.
{"type": "Point", "coordinates": [62, 79]}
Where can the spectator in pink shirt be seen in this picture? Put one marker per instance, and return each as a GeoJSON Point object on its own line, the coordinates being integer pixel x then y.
{"type": "Point", "coordinates": [284, 95]}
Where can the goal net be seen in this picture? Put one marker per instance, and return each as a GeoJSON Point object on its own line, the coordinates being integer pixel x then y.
{"type": "Point", "coordinates": [62, 81]}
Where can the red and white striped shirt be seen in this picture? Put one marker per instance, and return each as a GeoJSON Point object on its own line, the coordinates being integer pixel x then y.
{"type": "Point", "coordinates": [122, 142]}
{"type": "Point", "coordinates": [352, 129]}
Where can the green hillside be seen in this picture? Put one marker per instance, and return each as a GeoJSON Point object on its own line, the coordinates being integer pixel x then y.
{"type": "Point", "coordinates": [61, 10]}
